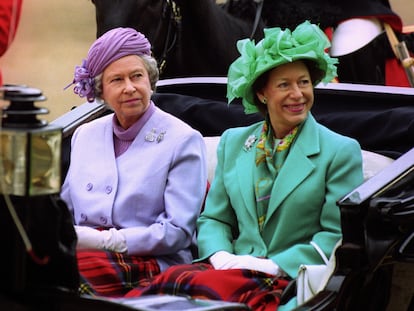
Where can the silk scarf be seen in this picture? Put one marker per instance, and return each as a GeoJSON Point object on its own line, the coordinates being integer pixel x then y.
{"type": "Point", "coordinates": [270, 156]}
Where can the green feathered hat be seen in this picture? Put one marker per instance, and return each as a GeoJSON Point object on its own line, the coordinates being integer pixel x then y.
{"type": "Point", "coordinates": [278, 47]}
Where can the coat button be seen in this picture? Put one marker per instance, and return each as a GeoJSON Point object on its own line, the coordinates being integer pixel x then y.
{"type": "Point", "coordinates": [108, 189]}
{"type": "Point", "coordinates": [89, 187]}
{"type": "Point", "coordinates": [103, 220]}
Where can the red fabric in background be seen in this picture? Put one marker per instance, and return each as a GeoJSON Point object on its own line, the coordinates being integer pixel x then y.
{"type": "Point", "coordinates": [10, 11]}
{"type": "Point", "coordinates": [395, 74]}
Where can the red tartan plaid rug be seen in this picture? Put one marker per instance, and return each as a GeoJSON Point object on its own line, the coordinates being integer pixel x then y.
{"type": "Point", "coordinates": [110, 274]}
{"type": "Point", "coordinates": [257, 290]}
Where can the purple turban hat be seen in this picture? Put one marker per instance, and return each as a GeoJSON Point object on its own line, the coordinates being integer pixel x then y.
{"type": "Point", "coordinates": [111, 46]}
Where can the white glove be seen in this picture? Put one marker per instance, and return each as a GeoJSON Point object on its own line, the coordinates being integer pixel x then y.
{"type": "Point", "coordinates": [111, 239]}
{"type": "Point", "coordinates": [223, 260]}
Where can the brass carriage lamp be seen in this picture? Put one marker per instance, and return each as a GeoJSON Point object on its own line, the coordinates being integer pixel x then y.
{"type": "Point", "coordinates": [30, 149]}
{"type": "Point", "coordinates": [36, 230]}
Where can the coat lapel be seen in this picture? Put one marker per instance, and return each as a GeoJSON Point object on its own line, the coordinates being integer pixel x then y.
{"type": "Point", "coordinates": [245, 173]}
{"type": "Point", "coordinates": [297, 166]}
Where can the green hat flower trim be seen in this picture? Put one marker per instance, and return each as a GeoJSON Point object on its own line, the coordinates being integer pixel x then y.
{"type": "Point", "coordinates": [278, 47]}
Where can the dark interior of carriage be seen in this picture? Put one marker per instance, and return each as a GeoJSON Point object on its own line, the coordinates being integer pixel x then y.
{"type": "Point", "coordinates": [380, 118]}
{"type": "Point", "coordinates": [377, 217]}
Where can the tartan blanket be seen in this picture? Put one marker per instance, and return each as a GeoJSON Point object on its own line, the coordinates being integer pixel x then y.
{"type": "Point", "coordinates": [257, 290]}
{"type": "Point", "coordinates": [110, 274]}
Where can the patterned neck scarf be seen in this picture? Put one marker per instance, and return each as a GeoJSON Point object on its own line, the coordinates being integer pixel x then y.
{"type": "Point", "coordinates": [270, 156]}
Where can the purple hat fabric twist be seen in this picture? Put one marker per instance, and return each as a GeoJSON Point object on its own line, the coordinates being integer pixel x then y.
{"type": "Point", "coordinates": [111, 46]}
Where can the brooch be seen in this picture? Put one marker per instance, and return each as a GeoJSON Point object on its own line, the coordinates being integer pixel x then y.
{"type": "Point", "coordinates": [161, 136]}
{"type": "Point", "coordinates": [249, 142]}
{"type": "Point", "coordinates": [151, 135]}
{"type": "Point", "coordinates": [154, 136]}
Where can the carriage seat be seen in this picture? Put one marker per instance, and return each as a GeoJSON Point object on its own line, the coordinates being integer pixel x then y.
{"type": "Point", "coordinates": [372, 162]}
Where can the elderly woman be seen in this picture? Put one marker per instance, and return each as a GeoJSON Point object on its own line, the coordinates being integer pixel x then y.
{"type": "Point", "coordinates": [137, 177]}
{"type": "Point", "coordinates": [277, 181]}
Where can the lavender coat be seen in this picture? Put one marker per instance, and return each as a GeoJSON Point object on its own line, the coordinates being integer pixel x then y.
{"type": "Point", "coordinates": [152, 193]}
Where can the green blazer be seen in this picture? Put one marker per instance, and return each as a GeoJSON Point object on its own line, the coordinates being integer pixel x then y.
{"type": "Point", "coordinates": [322, 166]}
